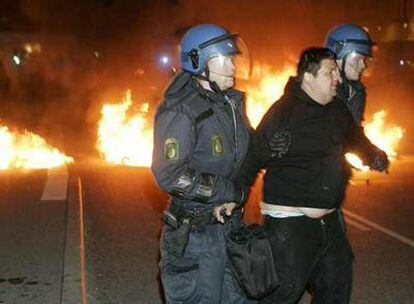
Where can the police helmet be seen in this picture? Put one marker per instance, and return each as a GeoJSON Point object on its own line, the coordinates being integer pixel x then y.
{"type": "Point", "coordinates": [348, 38]}
{"type": "Point", "coordinates": [203, 42]}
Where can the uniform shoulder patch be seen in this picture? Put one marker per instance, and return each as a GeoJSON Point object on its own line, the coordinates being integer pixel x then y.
{"type": "Point", "coordinates": [171, 150]}
{"type": "Point", "coordinates": [217, 144]}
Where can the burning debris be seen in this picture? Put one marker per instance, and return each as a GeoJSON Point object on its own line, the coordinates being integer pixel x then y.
{"type": "Point", "coordinates": [28, 151]}
{"type": "Point", "coordinates": [122, 138]}
{"type": "Point", "coordinates": [386, 137]}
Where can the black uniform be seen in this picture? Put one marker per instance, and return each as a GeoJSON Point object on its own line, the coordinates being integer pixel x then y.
{"type": "Point", "coordinates": [301, 144]}
{"type": "Point", "coordinates": [353, 95]}
{"type": "Point", "coordinates": [200, 141]}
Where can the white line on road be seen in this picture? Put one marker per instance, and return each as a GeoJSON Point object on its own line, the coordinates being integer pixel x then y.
{"type": "Point", "coordinates": [378, 227]}
{"type": "Point", "coordinates": [82, 243]}
{"type": "Point", "coordinates": [356, 224]}
{"type": "Point", "coordinates": [74, 283]}
{"type": "Point", "coordinates": [56, 187]}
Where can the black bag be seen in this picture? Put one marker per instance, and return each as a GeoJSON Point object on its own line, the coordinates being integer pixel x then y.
{"type": "Point", "coordinates": [252, 261]}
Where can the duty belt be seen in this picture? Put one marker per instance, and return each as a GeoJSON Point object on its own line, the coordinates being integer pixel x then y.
{"type": "Point", "coordinates": [176, 215]}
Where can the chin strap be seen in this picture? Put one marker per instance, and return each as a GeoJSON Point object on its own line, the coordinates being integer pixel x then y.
{"type": "Point", "coordinates": [213, 85]}
{"type": "Point", "coordinates": [342, 70]}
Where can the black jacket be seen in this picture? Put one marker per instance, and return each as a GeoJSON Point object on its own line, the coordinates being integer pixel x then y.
{"type": "Point", "coordinates": [200, 141]}
{"type": "Point", "coordinates": [301, 144]}
{"type": "Point", "coordinates": [353, 95]}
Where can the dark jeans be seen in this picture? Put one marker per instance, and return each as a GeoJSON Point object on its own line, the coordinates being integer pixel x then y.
{"type": "Point", "coordinates": [310, 253]}
{"type": "Point", "coordinates": [203, 275]}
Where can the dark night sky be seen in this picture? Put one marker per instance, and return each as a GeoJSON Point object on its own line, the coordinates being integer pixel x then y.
{"type": "Point", "coordinates": [265, 25]}
{"type": "Point", "coordinates": [139, 28]}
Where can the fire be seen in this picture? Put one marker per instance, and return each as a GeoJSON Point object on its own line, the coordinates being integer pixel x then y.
{"type": "Point", "coordinates": [122, 138]}
{"type": "Point", "coordinates": [126, 138]}
{"type": "Point", "coordinates": [356, 162]}
{"type": "Point", "coordinates": [264, 88]}
{"type": "Point", "coordinates": [386, 137]}
{"type": "Point", "coordinates": [28, 151]}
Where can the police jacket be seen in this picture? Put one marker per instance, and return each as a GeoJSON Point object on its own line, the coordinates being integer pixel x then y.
{"type": "Point", "coordinates": [200, 140]}
{"type": "Point", "coordinates": [301, 144]}
{"type": "Point", "coordinates": [353, 95]}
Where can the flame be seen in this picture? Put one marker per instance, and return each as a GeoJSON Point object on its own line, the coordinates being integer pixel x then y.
{"type": "Point", "coordinates": [264, 88]}
{"type": "Point", "coordinates": [122, 139]}
{"type": "Point", "coordinates": [28, 151]}
{"type": "Point", "coordinates": [127, 139]}
{"type": "Point", "coordinates": [386, 137]}
{"type": "Point", "coordinates": [356, 162]}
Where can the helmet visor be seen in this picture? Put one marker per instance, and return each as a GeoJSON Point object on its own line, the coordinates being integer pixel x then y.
{"type": "Point", "coordinates": [242, 61]}
{"type": "Point", "coordinates": [231, 46]}
{"type": "Point", "coordinates": [359, 61]}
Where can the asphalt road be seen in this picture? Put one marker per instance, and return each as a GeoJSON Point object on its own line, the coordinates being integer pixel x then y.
{"type": "Point", "coordinates": [31, 240]}
{"type": "Point", "coordinates": [122, 209]}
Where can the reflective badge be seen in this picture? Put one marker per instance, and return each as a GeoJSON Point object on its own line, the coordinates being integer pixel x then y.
{"type": "Point", "coordinates": [217, 145]}
{"type": "Point", "coordinates": [171, 148]}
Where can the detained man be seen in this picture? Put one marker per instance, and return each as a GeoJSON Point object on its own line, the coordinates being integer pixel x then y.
{"type": "Point", "coordinates": [301, 142]}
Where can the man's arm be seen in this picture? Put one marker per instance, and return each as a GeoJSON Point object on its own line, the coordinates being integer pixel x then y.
{"type": "Point", "coordinates": [173, 164]}
{"type": "Point", "coordinates": [370, 154]}
{"type": "Point", "coordinates": [257, 156]}
{"type": "Point", "coordinates": [269, 142]}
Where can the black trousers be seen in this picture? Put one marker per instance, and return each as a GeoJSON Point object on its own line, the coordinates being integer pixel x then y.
{"type": "Point", "coordinates": [203, 274]}
{"type": "Point", "coordinates": [311, 254]}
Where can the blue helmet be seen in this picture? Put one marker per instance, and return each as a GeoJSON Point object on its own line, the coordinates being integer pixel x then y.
{"type": "Point", "coordinates": [203, 42]}
{"type": "Point", "coordinates": [348, 38]}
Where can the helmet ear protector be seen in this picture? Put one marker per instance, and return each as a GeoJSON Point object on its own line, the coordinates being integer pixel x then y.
{"type": "Point", "coordinates": [195, 58]}
{"type": "Point", "coordinates": [193, 54]}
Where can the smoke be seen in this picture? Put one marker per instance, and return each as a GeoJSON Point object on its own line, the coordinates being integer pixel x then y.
{"type": "Point", "coordinates": [114, 45]}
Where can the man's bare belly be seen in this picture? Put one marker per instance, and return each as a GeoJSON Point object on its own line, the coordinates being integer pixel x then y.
{"type": "Point", "coordinates": [309, 212]}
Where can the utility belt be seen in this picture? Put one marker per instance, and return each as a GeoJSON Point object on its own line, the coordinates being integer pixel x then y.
{"type": "Point", "coordinates": [175, 216]}
{"type": "Point", "coordinates": [179, 223]}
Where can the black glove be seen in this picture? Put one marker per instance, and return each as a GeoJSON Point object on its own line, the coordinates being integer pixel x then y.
{"type": "Point", "coordinates": [380, 162]}
{"type": "Point", "coordinates": [280, 143]}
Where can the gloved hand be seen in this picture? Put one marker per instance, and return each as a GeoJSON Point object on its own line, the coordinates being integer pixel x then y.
{"type": "Point", "coordinates": [380, 162]}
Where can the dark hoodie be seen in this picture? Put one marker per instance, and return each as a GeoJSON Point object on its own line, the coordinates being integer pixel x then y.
{"type": "Point", "coordinates": [301, 144]}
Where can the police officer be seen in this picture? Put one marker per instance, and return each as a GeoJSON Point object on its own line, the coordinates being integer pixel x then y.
{"type": "Point", "coordinates": [353, 47]}
{"type": "Point", "coordinates": [201, 134]}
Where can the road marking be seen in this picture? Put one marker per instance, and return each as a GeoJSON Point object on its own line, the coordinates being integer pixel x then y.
{"type": "Point", "coordinates": [82, 243]}
{"type": "Point", "coordinates": [74, 279]}
{"type": "Point", "coordinates": [378, 227]}
{"type": "Point", "coordinates": [356, 224]}
{"type": "Point", "coordinates": [56, 187]}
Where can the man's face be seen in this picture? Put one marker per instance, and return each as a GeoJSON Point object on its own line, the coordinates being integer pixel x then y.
{"type": "Point", "coordinates": [354, 66]}
{"type": "Point", "coordinates": [222, 71]}
{"type": "Point", "coordinates": [323, 84]}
